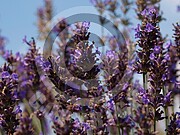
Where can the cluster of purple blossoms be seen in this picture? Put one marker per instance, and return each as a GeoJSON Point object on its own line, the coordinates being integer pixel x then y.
{"type": "Point", "coordinates": [153, 62]}
{"type": "Point", "coordinates": [9, 100]}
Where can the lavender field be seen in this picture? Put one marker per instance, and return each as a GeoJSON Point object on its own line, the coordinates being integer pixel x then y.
{"type": "Point", "coordinates": [90, 67]}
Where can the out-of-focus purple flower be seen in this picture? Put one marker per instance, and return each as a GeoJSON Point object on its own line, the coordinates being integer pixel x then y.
{"type": "Point", "coordinates": [137, 30]}
{"type": "Point", "coordinates": [168, 45]}
{"type": "Point", "coordinates": [152, 56]}
{"type": "Point", "coordinates": [77, 123]}
{"type": "Point", "coordinates": [5, 74]}
{"type": "Point", "coordinates": [178, 120]}
{"type": "Point", "coordinates": [167, 99]}
{"type": "Point", "coordinates": [46, 65]}
{"type": "Point", "coordinates": [62, 24]}
{"type": "Point", "coordinates": [86, 25]}
{"type": "Point", "coordinates": [125, 87]}
{"type": "Point", "coordinates": [144, 12]}
{"type": "Point", "coordinates": [178, 8]}
{"type": "Point", "coordinates": [25, 39]}
{"type": "Point", "coordinates": [7, 54]}
{"type": "Point", "coordinates": [167, 57]}
{"type": "Point", "coordinates": [145, 98]}
{"type": "Point", "coordinates": [111, 54]}
{"type": "Point", "coordinates": [149, 12]}
{"type": "Point", "coordinates": [137, 86]}
{"type": "Point", "coordinates": [14, 76]}
{"type": "Point", "coordinates": [149, 27]}
{"type": "Point", "coordinates": [174, 126]}
{"type": "Point", "coordinates": [17, 110]}
{"type": "Point", "coordinates": [25, 127]}
{"type": "Point", "coordinates": [110, 105]}
{"type": "Point", "coordinates": [40, 11]}
{"type": "Point", "coordinates": [157, 49]}
{"type": "Point", "coordinates": [86, 126]}
{"type": "Point", "coordinates": [152, 11]}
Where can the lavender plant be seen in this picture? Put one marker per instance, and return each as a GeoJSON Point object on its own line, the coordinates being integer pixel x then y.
{"type": "Point", "coordinates": [82, 90]}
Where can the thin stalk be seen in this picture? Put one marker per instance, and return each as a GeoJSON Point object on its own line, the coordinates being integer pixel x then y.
{"type": "Point", "coordinates": [122, 131]}
{"type": "Point", "coordinates": [118, 124]}
{"type": "Point", "coordinates": [144, 81]}
{"type": "Point", "coordinates": [154, 124]}
{"type": "Point", "coordinates": [166, 110]}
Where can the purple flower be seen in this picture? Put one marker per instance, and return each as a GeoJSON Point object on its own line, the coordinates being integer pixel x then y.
{"type": "Point", "coordinates": [167, 57]}
{"type": "Point", "coordinates": [150, 11]}
{"type": "Point", "coordinates": [145, 99]}
{"type": "Point", "coordinates": [25, 39]}
{"type": "Point", "coordinates": [178, 120]}
{"type": "Point", "coordinates": [149, 27]}
{"type": "Point", "coordinates": [152, 56]}
{"type": "Point", "coordinates": [168, 45]}
{"type": "Point", "coordinates": [77, 123]}
{"type": "Point", "coordinates": [14, 76]}
{"type": "Point", "coordinates": [86, 25]}
{"type": "Point", "coordinates": [5, 74]}
{"type": "Point", "coordinates": [77, 53]}
{"type": "Point", "coordinates": [46, 65]}
{"type": "Point", "coordinates": [7, 54]}
{"type": "Point", "coordinates": [86, 126]}
{"type": "Point", "coordinates": [167, 98]}
{"type": "Point", "coordinates": [157, 49]}
{"type": "Point", "coordinates": [144, 12]}
{"type": "Point", "coordinates": [111, 54]}
{"type": "Point", "coordinates": [18, 110]}
{"type": "Point", "coordinates": [110, 105]}
{"type": "Point", "coordinates": [137, 30]}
